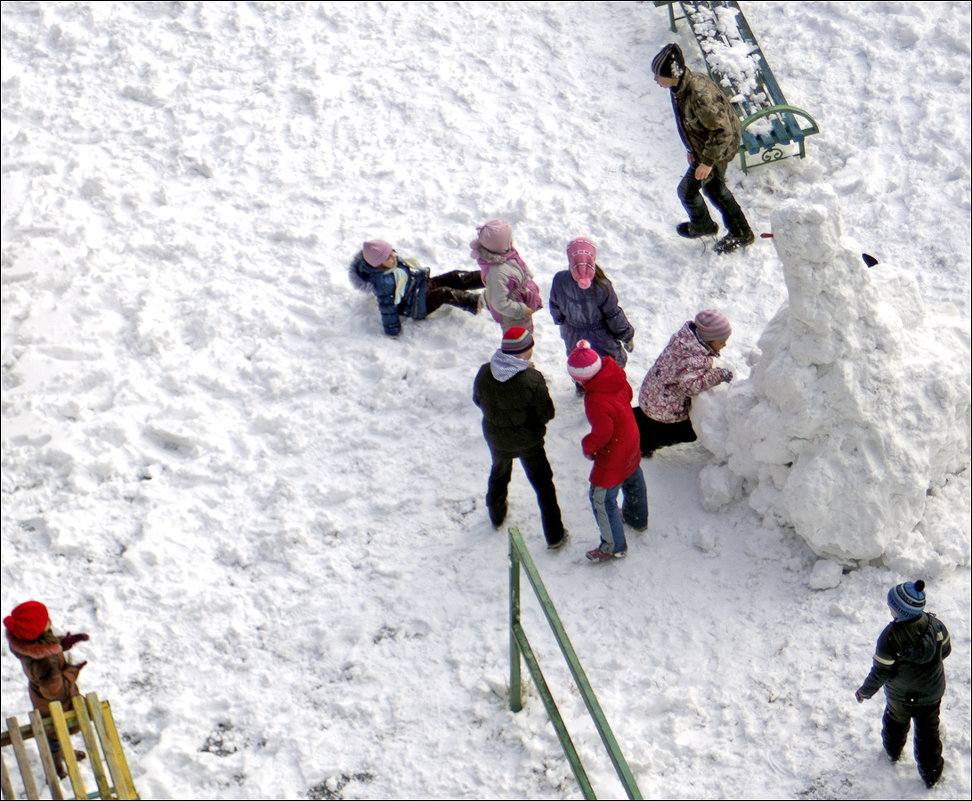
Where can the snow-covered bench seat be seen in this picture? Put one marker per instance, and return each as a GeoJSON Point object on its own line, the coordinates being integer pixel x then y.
{"type": "Point", "coordinates": [772, 128]}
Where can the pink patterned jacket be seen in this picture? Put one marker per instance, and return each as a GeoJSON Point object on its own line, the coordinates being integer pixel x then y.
{"type": "Point", "coordinates": [683, 370]}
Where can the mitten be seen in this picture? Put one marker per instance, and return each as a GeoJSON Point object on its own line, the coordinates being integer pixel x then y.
{"type": "Point", "coordinates": [726, 375]}
{"type": "Point", "coordinates": [859, 696]}
{"type": "Point", "coordinates": [629, 345]}
{"type": "Point", "coordinates": [69, 640]}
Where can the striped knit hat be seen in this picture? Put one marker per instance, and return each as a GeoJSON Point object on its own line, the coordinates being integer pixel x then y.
{"type": "Point", "coordinates": [516, 340]}
{"type": "Point", "coordinates": [907, 599]}
{"type": "Point", "coordinates": [583, 363]}
{"type": "Point", "coordinates": [669, 62]}
{"type": "Point", "coordinates": [712, 325]}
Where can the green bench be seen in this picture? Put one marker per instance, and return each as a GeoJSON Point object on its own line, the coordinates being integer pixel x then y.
{"type": "Point", "coordinates": [772, 128]}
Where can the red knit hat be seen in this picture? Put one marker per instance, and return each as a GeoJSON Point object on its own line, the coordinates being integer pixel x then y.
{"type": "Point", "coordinates": [583, 363]}
{"type": "Point", "coordinates": [28, 620]}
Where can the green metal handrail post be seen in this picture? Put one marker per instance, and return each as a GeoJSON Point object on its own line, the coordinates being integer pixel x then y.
{"type": "Point", "coordinates": [516, 703]}
{"type": "Point", "coordinates": [520, 557]}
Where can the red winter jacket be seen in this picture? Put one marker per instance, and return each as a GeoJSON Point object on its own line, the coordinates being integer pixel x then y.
{"type": "Point", "coordinates": [614, 442]}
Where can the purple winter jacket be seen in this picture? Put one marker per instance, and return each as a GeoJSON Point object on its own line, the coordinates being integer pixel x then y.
{"type": "Point", "coordinates": [592, 314]}
{"type": "Point", "coordinates": [683, 370]}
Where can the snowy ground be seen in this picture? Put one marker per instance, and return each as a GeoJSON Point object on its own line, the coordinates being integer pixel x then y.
{"type": "Point", "coordinates": [269, 516]}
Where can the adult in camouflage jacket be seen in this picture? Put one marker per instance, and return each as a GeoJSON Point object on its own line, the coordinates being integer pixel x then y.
{"type": "Point", "coordinates": [711, 133]}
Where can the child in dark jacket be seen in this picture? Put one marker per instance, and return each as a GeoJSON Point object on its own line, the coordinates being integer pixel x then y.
{"type": "Point", "coordinates": [404, 287]}
{"type": "Point", "coordinates": [50, 677]}
{"type": "Point", "coordinates": [908, 664]}
{"type": "Point", "coordinates": [584, 305]}
{"type": "Point", "coordinates": [516, 406]}
{"type": "Point", "coordinates": [614, 446]}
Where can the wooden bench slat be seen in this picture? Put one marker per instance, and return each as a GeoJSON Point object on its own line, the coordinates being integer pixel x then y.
{"type": "Point", "coordinates": [20, 754]}
{"type": "Point", "coordinates": [47, 761]}
{"type": "Point", "coordinates": [5, 785]}
{"type": "Point", "coordinates": [91, 746]}
{"type": "Point", "coordinates": [122, 759]}
{"type": "Point", "coordinates": [67, 750]}
{"type": "Point", "coordinates": [114, 755]}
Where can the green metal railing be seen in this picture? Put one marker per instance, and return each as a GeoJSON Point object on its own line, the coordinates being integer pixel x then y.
{"type": "Point", "coordinates": [519, 645]}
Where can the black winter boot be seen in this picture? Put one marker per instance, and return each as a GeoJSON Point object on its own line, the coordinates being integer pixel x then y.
{"type": "Point", "coordinates": [457, 279]}
{"type": "Point", "coordinates": [732, 241]}
{"type": "Point", "coordinates": [691, 231]}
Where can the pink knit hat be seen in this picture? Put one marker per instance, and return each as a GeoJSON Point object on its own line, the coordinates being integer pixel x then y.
{"type": "Point", "coordinates": [712, 325]}
{"type": "Point", "coordinates": [583, 363]}
{"type": "Point", "coordinates": [376, 252]}
{"type": "Point", "coordinates": [496, 235]}
{"type": "Point", "coordinates": [582, 257]}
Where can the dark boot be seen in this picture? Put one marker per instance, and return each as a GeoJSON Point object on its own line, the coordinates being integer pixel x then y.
{"type": "Point", "coordinates": [732, 241]}
{"type": "Point", "coordinates": [690, 231]}
{"type": "Point", "coordinates": [457, 279]}
{"type": "Point", "coordinates": [468, 301]}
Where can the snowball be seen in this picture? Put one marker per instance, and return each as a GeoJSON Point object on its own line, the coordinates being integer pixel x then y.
{"type": "Point", "coordinates": [826, 575]}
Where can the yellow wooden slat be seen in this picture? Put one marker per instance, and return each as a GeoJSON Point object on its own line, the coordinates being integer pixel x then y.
{"type": "Point", "coordinates": [5, 785]}
{"type": "Point", "coordinates": [91, 745]}
{"type": "Point", "coordinates": [67, 750]}
{"type": "Point", "coordinates": [17, 743]}
{"type": "Point", "coordinates": [124, 786]}
{"type": "Point", "coordinates": [53, 782]}
{"type": "Point", "coordinates": [109, 748]}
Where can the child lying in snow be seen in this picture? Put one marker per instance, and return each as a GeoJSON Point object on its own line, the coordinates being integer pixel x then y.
{"type": "Point", "coordinates": [404, 286]}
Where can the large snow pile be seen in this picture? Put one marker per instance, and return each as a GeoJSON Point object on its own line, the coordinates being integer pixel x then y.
{"type": "Point", "coordinates": [857, 407]}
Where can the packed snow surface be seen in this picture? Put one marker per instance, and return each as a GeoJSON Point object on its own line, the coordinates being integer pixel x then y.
{"type": "Point", "coordinates": [270, 517]}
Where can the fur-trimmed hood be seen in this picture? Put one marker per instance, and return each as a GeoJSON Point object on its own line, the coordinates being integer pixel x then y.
{"type": "Point", "coordinates": [32, 649]}
{"type": "Point", "coordinates": [361, 273]}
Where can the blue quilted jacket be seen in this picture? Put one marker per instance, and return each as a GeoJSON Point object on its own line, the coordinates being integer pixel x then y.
{"type": "Point", "coordinates": [406, 282]}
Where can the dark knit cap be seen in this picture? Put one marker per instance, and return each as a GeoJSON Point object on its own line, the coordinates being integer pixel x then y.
{"type": "Point", "coordinates": [669, 63]}
{"type": "Point", "coordinates": [908, 599]}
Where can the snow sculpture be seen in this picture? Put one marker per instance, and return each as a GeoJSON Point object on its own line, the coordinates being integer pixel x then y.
{"type": "Point", "coordinates": [856, 406]}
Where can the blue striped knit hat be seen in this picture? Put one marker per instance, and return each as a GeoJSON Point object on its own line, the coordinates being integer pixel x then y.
{"type": "Point", "coordinates": [908, 599]}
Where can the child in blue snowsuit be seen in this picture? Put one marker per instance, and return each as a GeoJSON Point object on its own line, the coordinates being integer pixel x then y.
{"type": "Point", "coordinates": [404, 287]}
{"type": "Point", "coordinates": [908, 664]}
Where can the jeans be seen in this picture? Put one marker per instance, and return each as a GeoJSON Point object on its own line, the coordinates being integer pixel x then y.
{"type": "Point", "coordinates": [540, 476]}
{"type": "Point", "coordinates": [610, 520]}
{"type": "Point", "coordinates": [690, 193]}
